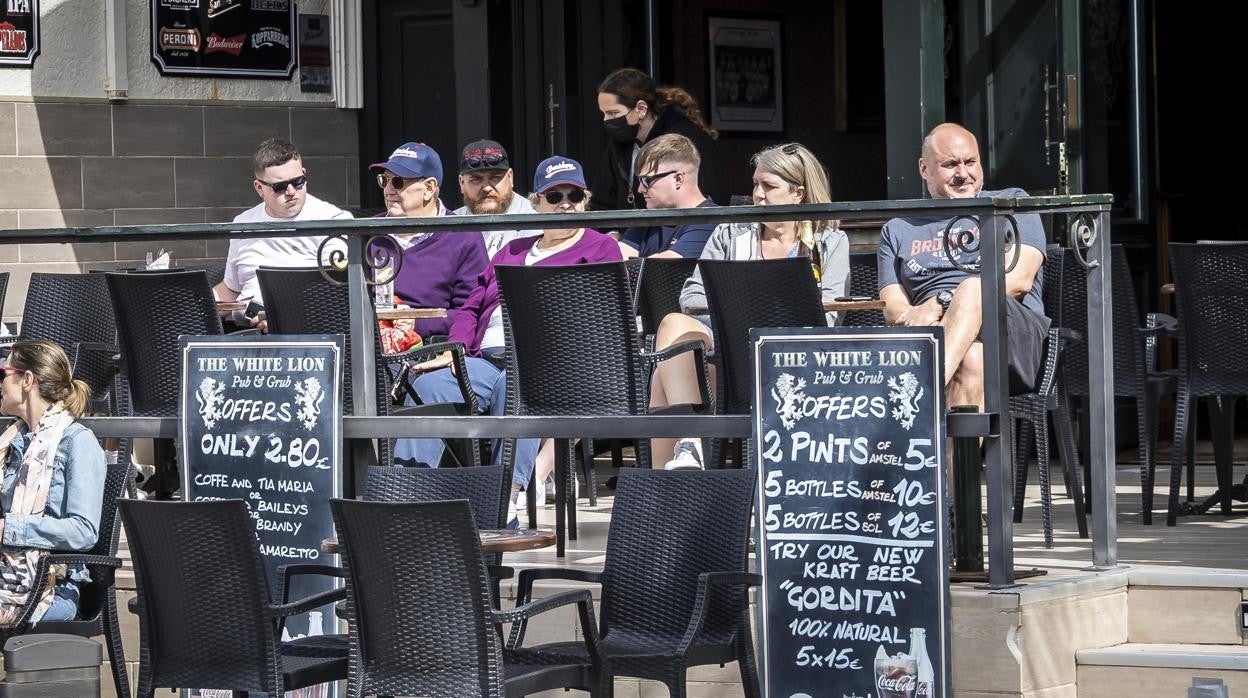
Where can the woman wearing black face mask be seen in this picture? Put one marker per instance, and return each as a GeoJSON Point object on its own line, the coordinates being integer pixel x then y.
{"type": "Point", "coordinates": [635, 111]}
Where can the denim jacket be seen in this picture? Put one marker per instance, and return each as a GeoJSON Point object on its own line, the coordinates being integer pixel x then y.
{"type": "Point", "coordinates": [71, 519]}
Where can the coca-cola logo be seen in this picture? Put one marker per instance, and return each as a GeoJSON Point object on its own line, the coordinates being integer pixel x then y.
{"type": "Point", "coordinates": [174, 39]}
{"type": "Point", "coordinates": [12, 39]}
{"type": "Point", "coordinates": [902, 684]}
{"type": "Point", "coordinates": [229, 44]}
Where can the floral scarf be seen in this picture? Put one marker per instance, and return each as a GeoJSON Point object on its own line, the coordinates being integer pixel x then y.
{"type": "Point", "coordinates": [30, 497]}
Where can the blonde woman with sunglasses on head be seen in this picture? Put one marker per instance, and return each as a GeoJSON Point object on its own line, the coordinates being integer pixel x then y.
{"type": "Point", "coordinates": [558, 187]}
{"type": "Point", "coordinates": [783, 174]}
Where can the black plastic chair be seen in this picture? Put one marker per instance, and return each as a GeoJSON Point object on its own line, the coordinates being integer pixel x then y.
{"type": "Point", "coordinates": [658, 292]}
{"type": "Point", "coordinates": [97, 601]}
{"type": "Point", "coordinates": [674, 582]}
{"type": "Point", "coordinates": [742, 295]}
{"type": "Point", "coordinates": [421, 618]}
{"type": "Point", "coordinates": [75, 311]}
{"type": "Point", "coordinates": [864, 281]}
{"type": "Point", "coordinates": [573, 350]}
{"type": "Point", "coordinates": [1134, 354]}
{"type": "Point", "coordinates": [153, 310]}
{"type": "Point", "coordinates": [1211, 293]}
{"type": "Point", "coordinates": [1032, 412]}
{"type": "Point", "coordinates": [206, 619]}
{"type": "Point", "coordinates": [485, 488]}
{"type": "Point", "coordinates": [302, 301]}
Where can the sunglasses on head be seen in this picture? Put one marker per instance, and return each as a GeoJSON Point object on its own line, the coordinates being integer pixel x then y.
{"type": "Point", "coordinates": [486, 160]}
{"type": "Point", "coordinates": [384, 178]}
{"type": "Point", "coordinates": [280, 187]}
{"type": "Point", "coordinates": [647, 181]}
{"type": "Point", "coordinates": [554, 198]}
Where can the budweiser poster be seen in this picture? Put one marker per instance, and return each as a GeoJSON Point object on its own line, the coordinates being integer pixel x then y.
{"type": "Point", "coordinates": [19, 32]}
{"type": "Point", "coordinates": [223, 38]}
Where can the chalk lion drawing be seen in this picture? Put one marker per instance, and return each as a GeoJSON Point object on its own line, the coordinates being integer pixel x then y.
{"type": "Point", "coordinates": [788, 396]}
{"type": "Point", "coordinates": [210, 396]}
{"type": "Point", "coordinates": [309, 396]}
{"type": "Point", "coordinates": [905, 392]}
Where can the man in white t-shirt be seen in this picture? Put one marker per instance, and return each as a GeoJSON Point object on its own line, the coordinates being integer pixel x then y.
{"type": "Point", "coordinates": [282, 185]}
{"type": "Point", "coordinates": [488, 186]}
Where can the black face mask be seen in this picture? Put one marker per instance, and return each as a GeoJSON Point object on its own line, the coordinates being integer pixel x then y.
{"type": "Point", "coordinates": [619, 129]}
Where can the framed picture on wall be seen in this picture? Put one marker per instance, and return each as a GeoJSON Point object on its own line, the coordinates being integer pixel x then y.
{"type": "Point", "coordinates": [746, 80]}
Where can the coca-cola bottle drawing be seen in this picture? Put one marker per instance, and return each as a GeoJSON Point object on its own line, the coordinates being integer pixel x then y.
{"type": "Point", "coordinates": [895, 676]}
{"type": "Point", "coordinates": [925, 685]}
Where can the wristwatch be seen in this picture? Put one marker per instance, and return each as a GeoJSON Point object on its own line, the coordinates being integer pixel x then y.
{"type": "Point", "coordinates": [944, 298]}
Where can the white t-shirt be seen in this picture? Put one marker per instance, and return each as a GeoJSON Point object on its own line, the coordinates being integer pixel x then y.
{"type": "Point", "coordinates": [246, 255]}
{"type": "Point", "coordinates": [495, 239]}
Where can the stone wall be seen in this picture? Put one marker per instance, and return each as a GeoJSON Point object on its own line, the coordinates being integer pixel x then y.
{"type": "Point", "coordinates": [91, 163]}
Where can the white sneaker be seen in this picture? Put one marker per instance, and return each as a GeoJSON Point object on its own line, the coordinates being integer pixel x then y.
{"type": "Point", "coordinates": [550, 489]}
{"type": "Point", "coordinates": [687, 456]}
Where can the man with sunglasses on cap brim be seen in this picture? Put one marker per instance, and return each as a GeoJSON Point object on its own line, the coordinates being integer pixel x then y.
{"type": "Point", "coordinates": [487, 184]}
{"type": "Point", "coordinates": [439, 269]}
{"type": "Point", "coordinates": [667, 177]}
{"type": "Point", "coordinates": [281, 182]}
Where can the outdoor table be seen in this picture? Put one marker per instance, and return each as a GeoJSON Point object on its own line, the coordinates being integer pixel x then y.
{"type": "Point", "coordinates": [828, 306]}
{"type": "Point", "coordinates": [493, 540]}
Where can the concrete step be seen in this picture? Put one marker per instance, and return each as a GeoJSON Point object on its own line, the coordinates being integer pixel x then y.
{"type": "Point", "coordinates": [1144, 670]}
{"type": "Point", "coordinates": [1186, 606]}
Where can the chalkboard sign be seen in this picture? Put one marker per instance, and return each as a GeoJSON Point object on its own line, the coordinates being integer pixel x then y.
{"type": "Point", "coordinates": [224, 38]}
{"type": "Point", "coordinates": [850, 440]}
{"type": "Point", "coordinates": [260, 420]}
{"type": "Point", "coordinates": [19, 32]}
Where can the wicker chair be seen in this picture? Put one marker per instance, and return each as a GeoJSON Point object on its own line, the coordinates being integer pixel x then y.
{"type": "Point", "coordinates": [206, 619]}
{"type": "Point", "coordinates": [1134, 350]}
{"type": "Point", "coordinates": [301, 301]}
{"type": "Point", "coordinates": [153, 310]}
{"type": "Point", "coordinates": [864, 281]}
{"type": "Point", "coordinates": [744, 295]}
{"type": "Point", "coordinates": [421, 619]}
{"type": "Point", "coordinates": [585, 311]}
{"type": "Point", "coordinates": [74, 311]}
{"type": "Point", "coordinates": [486, 489]}
{"type": "Point", "coordinates": [1211, 293]}
{"type": "Point", "coordinates": [97, 601]}
{"type": "Point", "coordinates": [1031, 413]}
{"type": "Point", "coordinates": [674, 582]}
{"type": "Point", "coordinates": [658, 292]}
{"type": "Point", "coordinates": [4, 287]}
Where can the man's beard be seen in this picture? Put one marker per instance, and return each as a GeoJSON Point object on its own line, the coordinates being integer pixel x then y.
{"type": "Point", "coordinates": [486, 204]}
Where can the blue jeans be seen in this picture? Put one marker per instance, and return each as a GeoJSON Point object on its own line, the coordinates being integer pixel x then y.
{"type": "Point", "coordinates": [489, 384]}
{"type": "Point", "coordinates": [64, 602]}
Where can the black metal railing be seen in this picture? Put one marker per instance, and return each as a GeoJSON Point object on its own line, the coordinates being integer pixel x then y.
{"type": "Point", "coordinates": [1088, 223]}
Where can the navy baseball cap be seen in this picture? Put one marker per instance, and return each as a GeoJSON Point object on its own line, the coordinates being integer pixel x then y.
{"type": "Point", "coordinates": [557, 170]}
{"type": "Point", "coordinates": [413, 160]}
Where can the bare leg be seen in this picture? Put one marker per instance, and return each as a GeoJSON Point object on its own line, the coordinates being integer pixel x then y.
{"type": "Point", "coordinates": [545, 465]}
{"type": "Point", "coordinates": [962, 323]}
{"type": "Point", "coordinates": [675, 381]}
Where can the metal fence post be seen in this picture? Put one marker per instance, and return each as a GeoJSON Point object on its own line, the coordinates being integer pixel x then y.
{"type": "Point", "coordinates": [1101, 394]}
{"type": "Point", "coordinates": [999, 451]}
{"type": "Point", "coordinates": [363, 361]}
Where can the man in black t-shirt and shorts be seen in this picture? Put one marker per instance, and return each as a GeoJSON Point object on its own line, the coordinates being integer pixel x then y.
{"type": "Point", "coordinates": [920, 285]}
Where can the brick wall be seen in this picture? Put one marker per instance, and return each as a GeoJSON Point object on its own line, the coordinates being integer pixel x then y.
{"type": "Point", "coordinates": [96, 164]}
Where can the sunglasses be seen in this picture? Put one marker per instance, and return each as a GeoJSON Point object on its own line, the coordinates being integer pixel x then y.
{"type": "Point", "coordinates": [6, 371]}
{"type": "Point", "coordinates": [396, 181]}
{"type": "Point", "coordinates": [554, 198]}
{"type": "Point", "coordinates": [280, 187]}
{"type": "Point", "coordinates": [647, 181]}
{"type": "Point", "coordinates": [487, 160]}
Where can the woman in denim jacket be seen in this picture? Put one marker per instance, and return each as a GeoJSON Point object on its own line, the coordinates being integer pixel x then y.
{"type": "Point", "coordinates": [53, 477]}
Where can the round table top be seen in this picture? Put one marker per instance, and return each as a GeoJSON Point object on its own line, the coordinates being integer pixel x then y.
{"type": "Point", "coordinates": [493, 540]}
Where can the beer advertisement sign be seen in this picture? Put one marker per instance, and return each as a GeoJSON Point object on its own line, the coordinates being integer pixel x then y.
{"type": "Point", "coordinates": [19, 32]}
{"type": "Point", "coordinates": [224, 38]}
{"type": "Point", "coordinates": [849, 438]}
